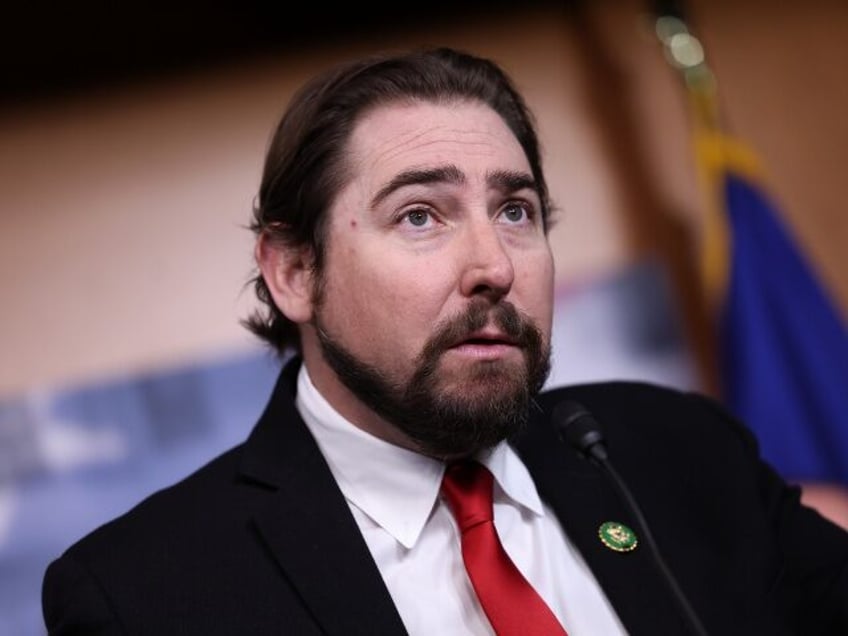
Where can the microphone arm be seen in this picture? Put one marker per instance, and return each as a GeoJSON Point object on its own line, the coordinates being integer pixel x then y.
{"type": "Point", "coordinates": [579, 429]}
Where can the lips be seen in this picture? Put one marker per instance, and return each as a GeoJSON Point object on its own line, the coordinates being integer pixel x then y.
{"type": "Point", "coordinates": [483, 331]}
{"type": "Point", "coordinates": [486, 337]}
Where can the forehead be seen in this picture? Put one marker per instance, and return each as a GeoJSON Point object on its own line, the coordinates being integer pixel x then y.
{"type": "Point", "coordinates": [403, 135]}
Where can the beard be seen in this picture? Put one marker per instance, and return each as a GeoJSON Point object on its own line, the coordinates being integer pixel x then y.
{"type": "Point", "coordinates": [490, 404]}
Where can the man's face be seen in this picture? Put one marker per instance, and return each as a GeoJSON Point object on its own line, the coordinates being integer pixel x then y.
{"type": "Point", "coordinates": [431, 325]}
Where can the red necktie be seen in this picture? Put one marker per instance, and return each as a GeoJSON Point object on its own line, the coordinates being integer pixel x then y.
{"type": "Point", "coordinates": [513, 607]}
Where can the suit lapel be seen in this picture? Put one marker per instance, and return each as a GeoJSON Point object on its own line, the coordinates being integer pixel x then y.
{"type": "Point", "coordinates": [583, 499]}
{"type": "Point", "coordinates": [307, 525]}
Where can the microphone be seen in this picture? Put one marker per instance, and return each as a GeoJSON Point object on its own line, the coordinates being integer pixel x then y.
{"type": "Point", "coordinates": [580, 430]}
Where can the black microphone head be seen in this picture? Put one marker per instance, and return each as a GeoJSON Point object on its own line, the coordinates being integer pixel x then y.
{"type": "Point", "coordinates": [579, 429]}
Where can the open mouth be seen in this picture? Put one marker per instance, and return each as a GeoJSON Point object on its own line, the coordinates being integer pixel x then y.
{"type": "Point", "coordinates": [485, 345]}
{"type": "Point", "coordinates": [487, 338]}
{"type": "Point", "coordinates": [484, 342]}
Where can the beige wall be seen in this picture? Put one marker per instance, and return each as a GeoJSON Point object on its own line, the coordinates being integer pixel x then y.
{"type": "Point", "coordinates": [122, 212]}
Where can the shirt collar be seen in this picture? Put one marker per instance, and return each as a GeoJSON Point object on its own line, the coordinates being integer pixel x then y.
{"type": "Point", "coordinates": [395, 487]}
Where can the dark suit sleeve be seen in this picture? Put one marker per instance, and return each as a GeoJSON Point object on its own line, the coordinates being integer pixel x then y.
{"type": "Point", "coordinates": [74, 604]}
{"type": "Point", "coordinates": [814, 575]}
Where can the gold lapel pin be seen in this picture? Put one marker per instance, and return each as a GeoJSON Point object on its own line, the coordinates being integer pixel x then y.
{"type": "Point", "coordinates": [616, 536]}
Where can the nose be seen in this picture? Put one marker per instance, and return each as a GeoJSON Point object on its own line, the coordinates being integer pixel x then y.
{"type": "Point", "coordinates": [488, 269]}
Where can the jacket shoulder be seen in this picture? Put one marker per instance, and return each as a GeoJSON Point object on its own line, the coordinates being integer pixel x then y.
{"type": "Point", "coordinates": [636, 411]}
{"type": "Point", "coordinates": [193, 501]}
{"type": "Point", "coordinates": [614, 389]}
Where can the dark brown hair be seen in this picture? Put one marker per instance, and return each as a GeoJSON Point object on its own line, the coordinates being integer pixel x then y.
{"type": "Point", "coordinates": [304, 167]}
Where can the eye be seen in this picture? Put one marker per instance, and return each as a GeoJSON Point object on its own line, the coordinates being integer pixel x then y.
{"type": "Point", "coordinates": [516, 212]}
{"type": "Point", "coordinates": [418, 218]}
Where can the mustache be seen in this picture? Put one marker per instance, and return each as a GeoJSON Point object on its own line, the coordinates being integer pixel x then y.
{"type": "Point", "coordinates": [518, 327]}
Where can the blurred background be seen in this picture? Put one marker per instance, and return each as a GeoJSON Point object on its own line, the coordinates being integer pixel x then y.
{"type": "Point", "coordinates": [698, 166]}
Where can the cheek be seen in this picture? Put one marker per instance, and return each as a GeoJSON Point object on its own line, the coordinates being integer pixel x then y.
{"type": "Point", "coordinates": [408, 302]}
{"type": "Point", "coordinates": [535, 286]}
{"type": "Point", "coordinates": [385, 304]}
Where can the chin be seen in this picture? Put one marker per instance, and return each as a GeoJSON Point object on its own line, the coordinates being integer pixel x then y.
{"type": "Point", "coordinates": [486, 379]}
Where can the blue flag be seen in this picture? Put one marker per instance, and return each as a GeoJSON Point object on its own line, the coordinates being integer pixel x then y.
{"type": "Point", "coordinates": [783, 344]}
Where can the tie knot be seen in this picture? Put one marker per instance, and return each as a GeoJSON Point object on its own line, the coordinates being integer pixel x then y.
{"type": "Point", "coordinates": [467, 487]}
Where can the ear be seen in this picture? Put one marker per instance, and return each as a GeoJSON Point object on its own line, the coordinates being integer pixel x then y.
{"type": "Point", "coordinates": [288, 275]}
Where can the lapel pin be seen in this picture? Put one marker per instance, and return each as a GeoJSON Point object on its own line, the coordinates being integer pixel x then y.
{"type": "Point", "coordinates": [616, 536]}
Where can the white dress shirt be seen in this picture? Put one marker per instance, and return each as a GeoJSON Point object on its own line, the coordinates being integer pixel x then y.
{"type": "Point", "coordinates": [393, 494]}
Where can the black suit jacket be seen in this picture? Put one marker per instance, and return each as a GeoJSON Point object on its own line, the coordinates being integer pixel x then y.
{"type": "Point", "coordinates": [261, 540]}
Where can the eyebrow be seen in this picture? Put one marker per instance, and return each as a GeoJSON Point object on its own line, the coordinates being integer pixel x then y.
{"type": "Point", "coordinates": [442, 174]}
{"type": "Point", "coordinates": [508, 181]}
{"type": "Point", "coordinates": [503, 180]}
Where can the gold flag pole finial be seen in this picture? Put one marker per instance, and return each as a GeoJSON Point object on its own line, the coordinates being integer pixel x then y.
{"type": "Point", "coordinates": [685, 53]}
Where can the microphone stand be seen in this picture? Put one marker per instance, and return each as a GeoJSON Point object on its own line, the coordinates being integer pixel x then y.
{"type": "Point", "coordinates": [624, 492]}
{"type": "Point", "coordinates": [578, 428]}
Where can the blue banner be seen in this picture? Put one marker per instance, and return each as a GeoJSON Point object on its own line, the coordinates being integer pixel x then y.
{"type": "Point", "coordinates": [784, 350]}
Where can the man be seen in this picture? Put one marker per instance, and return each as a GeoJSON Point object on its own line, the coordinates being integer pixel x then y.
{"type": "Point", "coordinates": [402, 250]}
